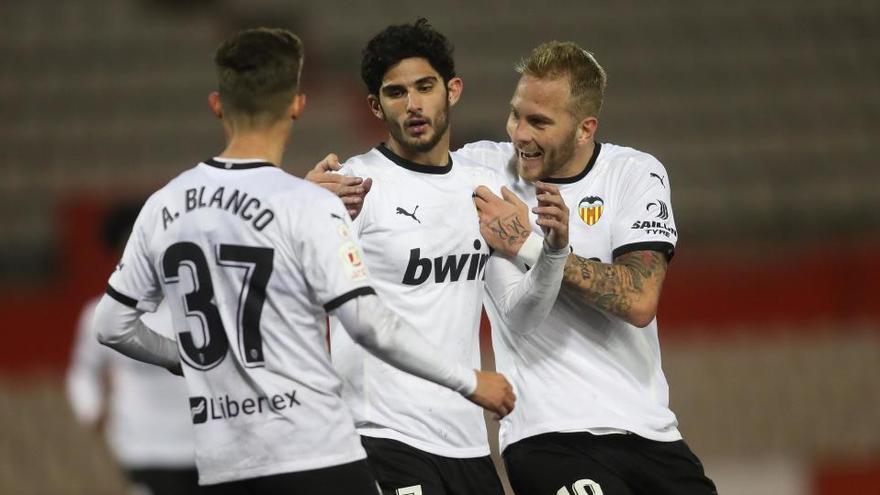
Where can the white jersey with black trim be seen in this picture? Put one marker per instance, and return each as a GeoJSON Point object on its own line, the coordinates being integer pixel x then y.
{"type": "Point", "coordinates": [420, 236]}
{"type": "Point", "coordinates": [147, 413]}
{"type": "Point", "coordinates": [249, 258]}
{"type": "Point", "coordinates": [583, 369]}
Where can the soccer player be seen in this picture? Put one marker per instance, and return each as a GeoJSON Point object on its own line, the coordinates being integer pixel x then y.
{"type": "Point", "coordinates": [141, 409]}
{"type": "Point", "coordinates": [249, 259]}
{"type": "Point", "coordinates": [593, 414]}
{"type": "Point", "coordinates": [421, 237]}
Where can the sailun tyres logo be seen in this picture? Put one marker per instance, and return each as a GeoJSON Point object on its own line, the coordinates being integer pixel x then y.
{"type": "Point", "coordinates": [654, 227]}
{"type": "Point", "coordinates": [662, 209]}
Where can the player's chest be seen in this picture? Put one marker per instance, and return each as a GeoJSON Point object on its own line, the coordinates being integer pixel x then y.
{"type": "Point", "coordinates": [423, 232]}
{"type": "Point", "coordinates": [591, 209]}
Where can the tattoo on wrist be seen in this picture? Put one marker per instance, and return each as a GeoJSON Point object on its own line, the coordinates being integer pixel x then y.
{"type": "Point", "coordinates": [510, 230]}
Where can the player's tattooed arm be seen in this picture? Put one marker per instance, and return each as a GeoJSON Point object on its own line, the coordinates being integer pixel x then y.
{"type": "Point", "coordinates": [628, 288]}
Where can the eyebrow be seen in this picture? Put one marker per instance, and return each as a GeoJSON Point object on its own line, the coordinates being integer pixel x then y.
{"type": "Point", "coordinates": [535, 117]}
{"type": "Point", "coordinates": [427, 79]}
{"type": "Point", "coordinates": [390, 87]}
{"type": "Point", "coordinates": [422, 80]}
{"type": "Point", "coordinates": [539, 117]}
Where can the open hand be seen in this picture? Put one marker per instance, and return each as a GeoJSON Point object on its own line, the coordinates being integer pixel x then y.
{"type": "Point", "coordinates": [351, 190]}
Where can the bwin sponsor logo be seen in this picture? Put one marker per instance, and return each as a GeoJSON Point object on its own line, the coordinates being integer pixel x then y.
{"type": "Point", "coordinates": [449, 268]}
{"type": "Point", "coordinates": [225, 407]}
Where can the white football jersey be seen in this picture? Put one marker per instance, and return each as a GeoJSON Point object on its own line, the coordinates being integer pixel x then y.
{"type": "Point", "coordinates": [147, 423]}
{"type": "Point", "coordinates": [249, 258]}
{"type": "Point", "coordinates": [583, 369]}
{"type": "Point", "coordinates": [420, 236]}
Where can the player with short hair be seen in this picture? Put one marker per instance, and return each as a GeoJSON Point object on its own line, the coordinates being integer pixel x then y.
{"type": "Point", "coordinates": [421, 237]}
{"type": "Point", "coordinates": [593, 413]}
{"type": "Point", "coordinates": [250, 259]}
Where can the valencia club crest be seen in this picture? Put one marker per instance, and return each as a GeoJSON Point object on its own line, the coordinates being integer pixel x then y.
{"type": "Point", "coordinates": [590, 209]}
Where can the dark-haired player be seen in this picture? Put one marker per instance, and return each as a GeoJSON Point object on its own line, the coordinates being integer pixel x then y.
{"type": "Point", "coordinates": [421, 237]}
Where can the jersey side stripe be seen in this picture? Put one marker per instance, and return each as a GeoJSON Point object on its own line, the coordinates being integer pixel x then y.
{"type": "Point", "coordinates": [115, 294]}
{"type": "Point", "coordinates": [339, 301]}
{"type": "Point", "coordinates": [666, 248]}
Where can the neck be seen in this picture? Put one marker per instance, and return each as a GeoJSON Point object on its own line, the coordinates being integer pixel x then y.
{"type": "Point", "coordinates": [437, 156]}
{"type": "Point", "coordinates": [266, 143]}
{"type": "Point", "coordinates": [577, 163]}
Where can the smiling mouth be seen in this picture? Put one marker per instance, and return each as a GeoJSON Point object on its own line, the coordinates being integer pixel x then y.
{"type": "Point", "coordinates": [530, 155]}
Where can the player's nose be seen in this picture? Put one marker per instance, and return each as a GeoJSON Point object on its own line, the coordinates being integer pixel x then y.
{"type": "Point", "coordinates": [519, 133]}
{"type": "Point", "coordinates": [414, 102]}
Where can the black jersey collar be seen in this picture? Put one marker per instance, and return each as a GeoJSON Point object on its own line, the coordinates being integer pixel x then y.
{"type": "Point", "coordinates": [583, 173]}
{"type": "Point", "coordinates": [415, 167]}
{"type": "Point", "coordinates": [236, 166]}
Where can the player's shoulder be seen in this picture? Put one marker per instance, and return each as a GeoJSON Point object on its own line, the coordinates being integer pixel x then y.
{"type": "Point", "coordinates": [294, 189]}
{"type": "Point", "coordinates": [625, 156]}
{"type": "Point", "coordinates": [627, 161]}
{"type": "Point", "coordinates": [487, 160]}
{"type": "Point", "coordinates": [486, 146]}
{"type": "Point", "coordinates": [368, 164]}
{"type": "Point", "coordinates": [487, 153]}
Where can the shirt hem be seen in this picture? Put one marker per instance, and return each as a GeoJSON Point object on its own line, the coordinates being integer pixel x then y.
{"type": "Point", "coordinates": [286, 467]}
{"type": "Point", "coordinates": [671, 435]}
{"type": "Point", "coordinates": [444, 451]}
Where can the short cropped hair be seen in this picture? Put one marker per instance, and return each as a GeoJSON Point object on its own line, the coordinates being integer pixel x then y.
{"type": "Point", "coordinates": [258, 71]}
{"type": "Point", "coordinates": [402, 41]}
{"type": "Point", "coordinates": [586, 78]}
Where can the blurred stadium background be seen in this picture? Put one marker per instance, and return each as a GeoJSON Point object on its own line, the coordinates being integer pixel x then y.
{"type": "Point", "coordinates": [765, 113]}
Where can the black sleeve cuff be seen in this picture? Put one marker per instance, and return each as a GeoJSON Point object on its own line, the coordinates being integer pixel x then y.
{"type": "Point", "coordinates": [120, 297]}
{"type": "Point", "coordinates": [348, 296]}
{"type": "Point", "coordinates": [665, 248]}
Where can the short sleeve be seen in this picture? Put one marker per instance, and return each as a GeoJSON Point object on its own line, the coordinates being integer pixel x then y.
{"type": "Point", "coordinates": [135, 282]}
{"type": "Point", "coordinates": [644, 220]}
{"type": "Point", "coordinates": [331, 256]}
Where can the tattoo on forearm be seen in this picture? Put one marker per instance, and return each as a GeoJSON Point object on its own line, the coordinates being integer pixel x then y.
{"type": "Point", "coordinates": [510, 230]}
{"type": "Point", "coordinates": [613, 287]}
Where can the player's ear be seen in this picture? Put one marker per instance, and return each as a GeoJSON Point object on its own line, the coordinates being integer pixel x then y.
{"type": "Point", "coordinates": [453, 90]}
{"type": "Point", "coordinates": [375, 106]}
{"type": "Point", "coordinates": [586, 129]}
{"type": "Point", "coordinates": [297, 106]}
{"type": "Point", "coordinates": [215, 105]}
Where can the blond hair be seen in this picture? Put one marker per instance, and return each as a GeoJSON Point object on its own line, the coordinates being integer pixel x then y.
{"type": "Point", "coordinates": [586, 78]}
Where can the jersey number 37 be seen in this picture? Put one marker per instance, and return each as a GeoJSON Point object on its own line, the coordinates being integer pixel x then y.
{"type": "Point", "coordinates": [256, 262]}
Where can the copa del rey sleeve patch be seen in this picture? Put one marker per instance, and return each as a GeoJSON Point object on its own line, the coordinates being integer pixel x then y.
{"type": "Point", "coordinates": [352, 261]}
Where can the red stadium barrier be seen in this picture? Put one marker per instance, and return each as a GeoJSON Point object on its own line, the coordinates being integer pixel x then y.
{"type": "Point", "coordinates": [708, 288]}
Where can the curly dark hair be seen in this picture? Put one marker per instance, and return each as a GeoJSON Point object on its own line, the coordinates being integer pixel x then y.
{"type": "Point", "coordinates": [401, 41]}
